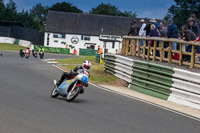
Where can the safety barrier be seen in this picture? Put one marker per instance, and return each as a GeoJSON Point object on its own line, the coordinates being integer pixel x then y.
{"type": "Point", "coordinates": [172, 84]}
{"type": "Point", "coordinates": [52, 49]}
{"type": "Point", "coordinates": [131, 45]}
{"type": "Point", "coordinates": [117, 66]}
{"type": "Point", "coordinates": [15, 41]}
{"type": "Point", "coordinates": [88, 52]}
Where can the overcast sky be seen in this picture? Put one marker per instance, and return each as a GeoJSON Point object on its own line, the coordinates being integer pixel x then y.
{"type": "Point", "coordinates": [143, 8]}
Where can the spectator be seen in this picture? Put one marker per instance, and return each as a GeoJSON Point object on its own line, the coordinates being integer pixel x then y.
{"type": "Point", "coordinates": [134, 29]}
{"type": "Point", "coordinates": [196, 22]}
{"type": "Point", "coordinates": [142, 32]}
{"type": "Point", "coordinates": [172, 32]}
{"type": "Point", "coordinates": [155, 22]}
{"type": "Point", "coordinates": [188, 35]}
{"type": "Point", "coordinates": [154, 33]}
{"type": "Point", "coordinates": [163, 33]}
{"type": "Point", "coordinates": [192, 26]}
{"type": "Point", "coordinates": [148, 28]}
{"type": "Point", "coordinates": [116, 52]}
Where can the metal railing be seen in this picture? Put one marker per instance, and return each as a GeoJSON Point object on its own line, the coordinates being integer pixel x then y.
{"type": "Point", "coordinates": [131, 45]}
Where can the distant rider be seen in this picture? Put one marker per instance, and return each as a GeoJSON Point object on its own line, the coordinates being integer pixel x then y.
{"type": "Point", "coordinates": [86, 66]}
{"type": "Point", "coordinates": [27, 51]}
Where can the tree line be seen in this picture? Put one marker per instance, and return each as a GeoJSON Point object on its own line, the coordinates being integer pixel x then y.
{"type": "Point", "coordinates": [36, 16]}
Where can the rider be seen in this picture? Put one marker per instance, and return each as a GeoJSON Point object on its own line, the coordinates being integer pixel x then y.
{"type": "Point", "coordinates": [27, 51]}
{"type": "Point", "coordinates": [86, 66]}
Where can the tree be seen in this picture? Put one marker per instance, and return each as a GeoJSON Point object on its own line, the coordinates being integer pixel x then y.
{"type": "Point", "coordinates": [39, 13]}
{"type": "Point", "coordinates": [10, 12]}
{"type": "Point", "coordinates": [65, 7]}
{"type": "Point", "coordinates": [107, 9]}
{"type": "Point", "coordinates": [182, 10]}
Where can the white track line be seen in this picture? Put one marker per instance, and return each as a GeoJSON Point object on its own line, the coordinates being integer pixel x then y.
{"type": "Point", "coordinates": [159, 106]}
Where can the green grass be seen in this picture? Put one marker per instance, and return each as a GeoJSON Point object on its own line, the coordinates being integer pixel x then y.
{"type": "Point", "coordinates": [12, 47]}
{"type": "Point", "coordinates": [97, 73]}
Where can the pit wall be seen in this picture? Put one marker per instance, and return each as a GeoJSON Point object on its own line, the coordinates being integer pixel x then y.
{"type": "Point", "coordinates": [167, 83]}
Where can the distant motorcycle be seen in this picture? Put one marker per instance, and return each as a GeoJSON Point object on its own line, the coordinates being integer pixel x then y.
{"type": "Point", "coordinates": [22, 53]}
{"type": "Point", "coordinates": [1, 54]}
{"type": "Point", "coordinates": [34, 54]}
{"type": "Point", "coordinates": [41, 53]}
{"type": "Point", "coordinates": [27, 55]}
{"type": "Point", "coordinates": [71, 88]}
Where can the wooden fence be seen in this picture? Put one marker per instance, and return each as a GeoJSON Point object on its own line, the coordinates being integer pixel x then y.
{"type": "Point", "coordinates": [131, 45]}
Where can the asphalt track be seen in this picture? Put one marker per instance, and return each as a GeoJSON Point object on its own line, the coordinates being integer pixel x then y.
{"type": "Point", "coordinates": [26, 105]}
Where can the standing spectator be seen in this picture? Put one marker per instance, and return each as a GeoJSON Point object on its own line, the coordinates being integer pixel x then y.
{"type": "Point", "coordinates": [155, 22]}
{"type": "Point", "coordinates": [172, 32]}
{"type": "Point", "coordinates": [134, 29]}
{"type": "Point", "coordinates": [163, 33]}
{"type": "Point", "coordinates": [154, 33]}
{"type": "Point", "coordinates": [192, 26]}
{"type": "Point", "coordinates": [196, 22]}
{"type": "Point", "coordinates": [142, 32]}
{"type": "Point", "coordinates": [188, 35]}
{"type": "Point", "coordinates": [148, 28]}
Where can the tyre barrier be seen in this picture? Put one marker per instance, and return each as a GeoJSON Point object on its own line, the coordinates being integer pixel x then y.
{"type": "Point", "coordinates": [167, 83]}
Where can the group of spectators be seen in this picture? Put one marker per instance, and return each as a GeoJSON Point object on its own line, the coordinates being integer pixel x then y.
{"type": "Point", "coordinates": [189, 32]}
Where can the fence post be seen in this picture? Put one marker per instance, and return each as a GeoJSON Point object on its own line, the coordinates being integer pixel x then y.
{"type": "Point", "coordinates": [170, 53]}
{"type": "Point", "coordinates": [134, 48]}
{"type": "Point", "coordinates": [127, 45]}
{"type": "Point", "coordinates": [123, 44]}
{"type": "Point", "coordinates": [144, 50]}
{"type": "Point", "coordinates": [180, 54]}
{"type": "Point", "coordinates": [131, 49]}
{"type": "Point", "coordinates": [154, 51]}
{"type": "Point", "coordinates": [139, 43]}
{"type": "Point", "coordinates": [192, 56]}
{"type": "Point", "coordinates": [148, 53]}
{"type": "Point", "coordinates": [161, 51]}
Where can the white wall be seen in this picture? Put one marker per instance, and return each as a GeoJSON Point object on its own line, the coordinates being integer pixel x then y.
{"type": "Point", "coordinates": [80, 44]}
{"type": "Point", "coordinates": [12, 40]}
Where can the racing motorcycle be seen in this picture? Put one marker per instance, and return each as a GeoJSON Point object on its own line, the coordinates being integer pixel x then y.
{"type": "Point", "coordinates": [27, 55]}
{"type": "Point", "coordinates": [34, 54]}
{"type": "Point", "coordinates": [41, 53]}
{"type": "Point", "coordinates": [71, 88]}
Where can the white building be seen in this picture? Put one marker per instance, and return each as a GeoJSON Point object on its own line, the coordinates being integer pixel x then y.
{"type": "Point", "coordinates": [85, 31]}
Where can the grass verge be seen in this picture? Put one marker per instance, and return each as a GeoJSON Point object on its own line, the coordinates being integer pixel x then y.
{"type": "Point", "coordinates": [12, 47]}
{"type": "Point", "coordinates": [97, 73]}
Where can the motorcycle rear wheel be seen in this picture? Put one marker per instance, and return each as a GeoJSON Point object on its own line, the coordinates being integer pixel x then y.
{"type": "Point", "coordinates": [54, 92]}
{"type": "Point", "coordinates": [73, 94]}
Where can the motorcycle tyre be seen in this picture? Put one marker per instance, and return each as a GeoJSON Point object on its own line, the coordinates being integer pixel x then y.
{"type": "Point", "coordinates": [74, 96]}
{"type": "Point", "coordinates": [54, 92]}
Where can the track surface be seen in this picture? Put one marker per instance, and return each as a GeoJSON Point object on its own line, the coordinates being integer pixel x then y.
{"type": "Point", "coordinates": [26, 105]}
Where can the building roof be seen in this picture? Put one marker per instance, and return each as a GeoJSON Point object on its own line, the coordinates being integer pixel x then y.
{"type": "Point", "coordinates": [87, 24]}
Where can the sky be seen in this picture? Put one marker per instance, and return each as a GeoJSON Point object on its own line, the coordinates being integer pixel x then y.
{"type": "Point", "coordinates": [143, 8]}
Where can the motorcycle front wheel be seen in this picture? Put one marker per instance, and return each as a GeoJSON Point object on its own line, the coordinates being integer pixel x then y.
{"type": "Point", "coordinates": [54, 92]}
{"type": "Point", "coordinates": [73, 94]}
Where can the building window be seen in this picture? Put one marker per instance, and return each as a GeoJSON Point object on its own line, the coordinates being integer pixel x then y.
{"type": "Point", "coordinates": [62, 36]}
{"type": "Point", "coordinates": [86, 38]}
{"type": "Point", "coordinates": [55, 35]}
{"type": "Point", "coordinates": [59, 36]}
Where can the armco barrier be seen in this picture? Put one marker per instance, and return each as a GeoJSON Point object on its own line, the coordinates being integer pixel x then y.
{"type": "Point", "coordinates": [52, 49]}
{"type": "Point", "coordinates": [119, 66]}
{"type": "Point", "coordinates": [172, 84]}
{"type": "Point", "coordinates": [151, 79]}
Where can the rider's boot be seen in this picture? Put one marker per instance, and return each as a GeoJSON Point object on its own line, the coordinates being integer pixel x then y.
{"type": "Point", "coordinates": [82, 91]}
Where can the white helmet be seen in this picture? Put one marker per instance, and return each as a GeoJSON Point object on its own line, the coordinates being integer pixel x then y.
{"type": "Point", "coordinates": [86, 65]}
